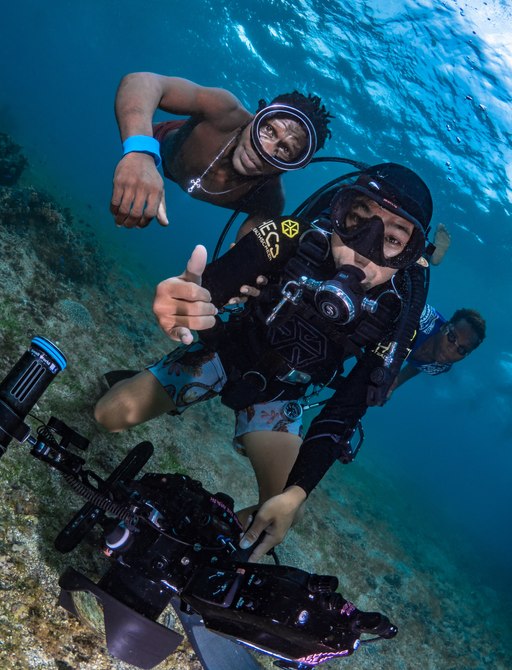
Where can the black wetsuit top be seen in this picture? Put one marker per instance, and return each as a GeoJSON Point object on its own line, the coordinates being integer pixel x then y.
{"type": "Point", "coordinates": [304, 342]}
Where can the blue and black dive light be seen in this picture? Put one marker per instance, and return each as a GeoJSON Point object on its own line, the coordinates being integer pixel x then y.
{"type": "Point", "coordinates": [24, 385]}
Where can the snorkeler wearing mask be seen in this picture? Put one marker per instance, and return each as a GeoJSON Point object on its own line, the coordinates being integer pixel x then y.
{"type": "Point", "coordinates": [344, 281]}
{"type": "Point", "coordinates": [221, 154]}
{"type": "Point", "coordinates": [439, 343]}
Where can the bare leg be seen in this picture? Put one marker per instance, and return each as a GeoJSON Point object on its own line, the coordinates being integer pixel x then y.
{"type": "Point", "coordinates": [132, 401]}
{"type": "Point", "coordinates": [272, 455]}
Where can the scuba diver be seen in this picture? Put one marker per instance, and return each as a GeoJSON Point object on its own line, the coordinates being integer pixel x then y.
{"type": "Point", "coordinates": [221, 154]}
{"type": "Point", "coordinates": [346, 279]}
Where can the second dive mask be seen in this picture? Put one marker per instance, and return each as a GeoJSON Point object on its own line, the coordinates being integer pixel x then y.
{"type": "Point", "coordinates": [368, 235]}
{"type": "Point", "coordinates": [259, 123]}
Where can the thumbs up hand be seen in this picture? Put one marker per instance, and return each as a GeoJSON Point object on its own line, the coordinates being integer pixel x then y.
{"type": "Point", "coordinates": [181, 304]}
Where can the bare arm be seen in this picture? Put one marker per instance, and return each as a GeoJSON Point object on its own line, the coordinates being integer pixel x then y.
{"type": "Point", "coordinates": [140, 94]}
{"type": "Point", "coordinates": [138, 193]}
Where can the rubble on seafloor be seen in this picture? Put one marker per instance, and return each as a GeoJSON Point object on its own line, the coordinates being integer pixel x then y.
{"type": "Point", "coordinates": [58, 282]}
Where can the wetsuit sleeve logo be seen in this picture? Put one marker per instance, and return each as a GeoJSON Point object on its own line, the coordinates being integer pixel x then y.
{"type": "Point", "coordinates": [268, 236]}
{"type": "Point", "coordinates": [290, 228]}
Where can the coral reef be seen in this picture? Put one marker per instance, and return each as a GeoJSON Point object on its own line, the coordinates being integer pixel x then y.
{"type": "Point", "coordinates": [76, 312]}
{"type": "Point", "coordinates": [56, 281]}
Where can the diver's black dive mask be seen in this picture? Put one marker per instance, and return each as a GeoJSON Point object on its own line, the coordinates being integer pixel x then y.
{"type": "Point", "coordinates": [368, 237]}
{"type": "Point", "coordinates": [284, 111]}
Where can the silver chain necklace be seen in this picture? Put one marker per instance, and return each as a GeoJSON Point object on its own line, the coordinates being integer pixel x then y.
{"type": "Point", "coordinates": [198, 181]}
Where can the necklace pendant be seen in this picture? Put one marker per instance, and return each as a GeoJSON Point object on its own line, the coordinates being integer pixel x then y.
{"type": "Point", "coordinates": [194, 183]}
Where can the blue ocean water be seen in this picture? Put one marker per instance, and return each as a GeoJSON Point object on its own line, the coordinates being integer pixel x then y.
{"type": "Point", "coordinates": [423, 82]}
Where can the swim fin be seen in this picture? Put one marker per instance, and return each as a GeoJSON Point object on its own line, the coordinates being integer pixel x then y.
{"type": "Point", "coordinates": [214, 651]}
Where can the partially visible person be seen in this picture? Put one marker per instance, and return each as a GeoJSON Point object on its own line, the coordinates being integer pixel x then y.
{"type": "Point", "coordinates": [222, 154]}
{"type": "Point", "coordinates": [440, 343]}
{"type": "Point", "coordinates": [339, 286]}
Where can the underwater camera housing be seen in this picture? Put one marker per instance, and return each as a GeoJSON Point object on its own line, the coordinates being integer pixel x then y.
{"type": "Point", "coordinates": [169, 539]}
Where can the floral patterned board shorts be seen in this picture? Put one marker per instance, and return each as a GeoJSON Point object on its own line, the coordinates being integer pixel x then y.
{"type": "Point", "coordinates": [191, 375]}
{"type": "Point", "coordinates": [273, 415]}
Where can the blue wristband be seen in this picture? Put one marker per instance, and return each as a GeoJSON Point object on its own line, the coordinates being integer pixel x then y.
{"type": "Point", "coordinates": [143, 144]}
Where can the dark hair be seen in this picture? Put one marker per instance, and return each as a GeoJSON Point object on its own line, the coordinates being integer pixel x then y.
{"type": "Point", "coordinates": [475, 320]}
{"type": "Point", "coordinates": [312, 107]}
